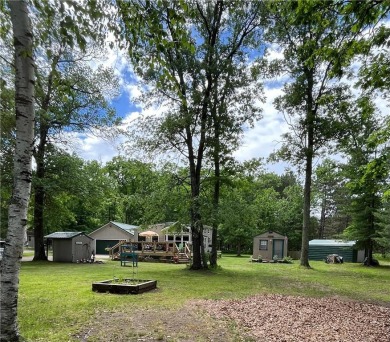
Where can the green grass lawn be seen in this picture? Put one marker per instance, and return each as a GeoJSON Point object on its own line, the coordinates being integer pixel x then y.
{"type": "Point", "coordinates": [56, 299]}
{"type": "Point", "coordinates": [27, 252]}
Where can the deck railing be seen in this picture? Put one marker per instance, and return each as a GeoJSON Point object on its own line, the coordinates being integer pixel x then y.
{"type": "Point", "coordinates": [187, 250]}
{"type": "Point", "coordinates": [115, 249]}
{"type": "Point", "coordinates": [152, 248]}
{"type": "Point", "coordinates": [146, 247]}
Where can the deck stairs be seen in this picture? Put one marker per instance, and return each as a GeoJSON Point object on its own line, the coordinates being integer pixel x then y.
{"type": "Point", "coordinates": [183, 255]}
{"type": "Point", "coordinates": [182, 258]}
{"type": "Point", "coordinates": [114, 251]}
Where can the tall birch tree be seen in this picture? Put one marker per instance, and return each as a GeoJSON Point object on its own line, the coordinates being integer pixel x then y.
{"type": "Point", "coordinates": [17, 216]}
{"type": "Point", "coordinates": [24, 65]}
{"type": "Point", "coordinates": [70, 94]}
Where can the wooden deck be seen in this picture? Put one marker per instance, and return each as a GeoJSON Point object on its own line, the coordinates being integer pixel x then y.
{"type": "Point", "coordinates": [149, 251]}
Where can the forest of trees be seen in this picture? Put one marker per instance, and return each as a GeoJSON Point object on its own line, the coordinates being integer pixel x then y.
{"type": "Point", "coordinates": [206, 62]}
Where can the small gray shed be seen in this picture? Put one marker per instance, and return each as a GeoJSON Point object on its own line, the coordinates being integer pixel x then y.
{"type": "Point", "coordinates": [319, 249]}
{"type": "Point", "coordinates": [71, 246]}
{"type": "Point", "coordinates": [270, 246]}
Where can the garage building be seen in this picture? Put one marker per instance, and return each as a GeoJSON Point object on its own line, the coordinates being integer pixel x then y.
{"type": "Point", "coordinates": [110, 234]}
{"type": "Point", "coordinates": [319, 249]}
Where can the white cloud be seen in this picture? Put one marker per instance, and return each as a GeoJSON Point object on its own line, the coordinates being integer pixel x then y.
{"type": "Point", "coordinates": [133, 90]}
{"type": "Point", "coordinates": [259, 141]}
{"type": "Point", "coordinates": [274, 52]}
{"type": "Point", "coordinates": [90, 146]}
{"type": "Point", "coordinates": [264, 138]}
{"type": "Point", "coordinates": [95, 148]}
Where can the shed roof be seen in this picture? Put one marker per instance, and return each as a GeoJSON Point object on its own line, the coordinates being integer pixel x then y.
{"type": "Point", "coordinates": [269, 233]}
{"type": "Point", "coordinates": [338, 243]}
{"type": "Point", "coordinates": [65, 235]}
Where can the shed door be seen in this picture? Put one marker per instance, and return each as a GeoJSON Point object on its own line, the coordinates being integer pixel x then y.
{"type": "Point", "coordinates": [82, 250]}
{"type": "Point", "coordinates": [278, 248]}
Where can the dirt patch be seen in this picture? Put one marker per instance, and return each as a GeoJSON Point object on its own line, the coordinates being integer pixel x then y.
{"type": "Point", "coordinates": [264, 318]}
{"type": "Point", "coordinates": [188, 324]}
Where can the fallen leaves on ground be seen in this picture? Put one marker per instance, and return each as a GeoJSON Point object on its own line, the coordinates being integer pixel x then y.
{"type": "Point", "coordinates": [280, 318]}
{"type": "Point", "coordinates": [265, 318]}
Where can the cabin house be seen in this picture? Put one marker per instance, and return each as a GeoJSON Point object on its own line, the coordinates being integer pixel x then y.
{"type": "Point", "coordinates": [319, 249]}
{"type": "Point", "coordinates": [111, 234]}
{"type": "Point", "coordinates": [269, 246]}
{"type": "Point", "coordinates": [170, 232]}
{"type": "Point", "coordinates": [70, 246]}
{"type": "Point", "coordinates": [158, 241]}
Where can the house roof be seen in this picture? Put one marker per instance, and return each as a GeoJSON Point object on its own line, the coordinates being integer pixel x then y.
{"type": "Point", "coordinates": [336, 243]}
{"type": "Point", "coordinates": [127, 227]}
{"type": "Point", "coordinates": [175, 227]}
{"type": "Point", "coordinates": [65, 235]}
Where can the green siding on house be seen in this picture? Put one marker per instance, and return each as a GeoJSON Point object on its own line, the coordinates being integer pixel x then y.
{"type": "Point", "coordinates": [321, 252]}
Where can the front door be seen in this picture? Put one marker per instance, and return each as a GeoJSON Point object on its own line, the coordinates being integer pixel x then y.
{"type": "Point", "coordinates": [278, 249]}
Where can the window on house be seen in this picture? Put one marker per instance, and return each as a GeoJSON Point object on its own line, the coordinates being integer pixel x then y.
{"type": "Point", "coordinates": [263, 245]}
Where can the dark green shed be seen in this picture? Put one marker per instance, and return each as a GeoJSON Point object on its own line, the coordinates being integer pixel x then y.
{"type": "Point", "coordinates": [320, 249]}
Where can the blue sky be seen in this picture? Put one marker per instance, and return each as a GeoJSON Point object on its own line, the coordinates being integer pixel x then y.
{"type": "Point", "coordinates": [259, 141]}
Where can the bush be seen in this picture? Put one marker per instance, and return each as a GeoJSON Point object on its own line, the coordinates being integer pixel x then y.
{"type": "Point", "coordinates": [287, 260]}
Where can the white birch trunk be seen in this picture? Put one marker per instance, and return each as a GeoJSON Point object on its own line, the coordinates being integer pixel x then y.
{"type": "Point", "coordinates": [17, 214]}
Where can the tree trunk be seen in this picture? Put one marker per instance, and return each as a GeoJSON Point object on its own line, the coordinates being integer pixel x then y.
{"type": "Point", "coordinates": [310, 116]}
{"type": "Point", "coordinates": [214, 247]}
{"type": "Point", "coordinates": [39, 198]}
{"type": "Point", "coordinates": [202, 249]}
{"type": "Point", "coordinates": [217, 186]}
{"type": "Point", "coordinates": [204, 117]}
{"type": "Point", "coordinates": [239, 249]}
{"type": "Point", "coordinates": [370, 252]}
{"type": "Point", "coordinates": [198, 257]}
{"type": "Point", "coordinates": [196, 224]}
{"type": "Point", "coordinates": [321, 229]}
{"type": "Point", "coordinates": [217, 183]}
{"type": "Point", "coordinates": [196, 246]}
{"type": "Point", "coordinates": [306, 214]}
{"type": "Point", "coordinates": [39, 189]}
{"type": "Point", "coordinates": [195, 167]}
{"type": "Point", "coordinates": [370, 242]}
{"type": "Point", "coordinates": [17, 214]}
